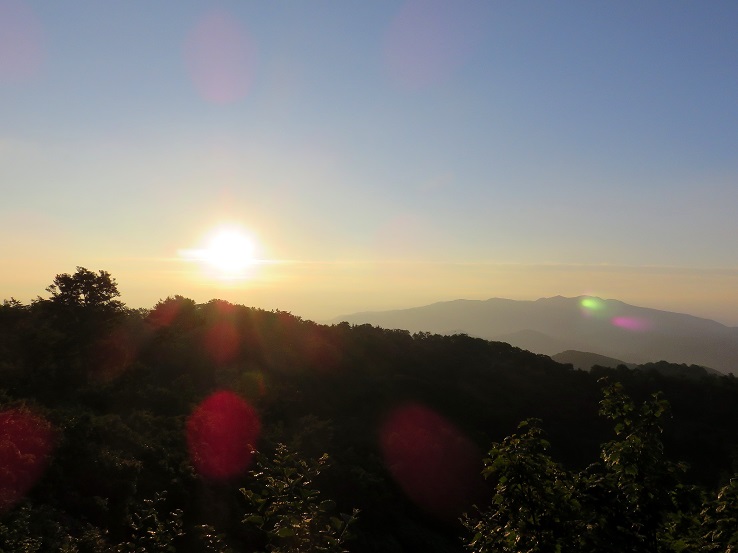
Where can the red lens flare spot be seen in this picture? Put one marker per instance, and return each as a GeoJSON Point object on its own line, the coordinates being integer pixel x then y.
{"type": "Point", "coordinates": [436, 466]}
{"type": "Point", "coordinates": [221, 434]}
{"type": "Point", "coordinates": [26, 441]}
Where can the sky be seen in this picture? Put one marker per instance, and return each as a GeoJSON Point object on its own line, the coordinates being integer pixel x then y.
{"type": "Point", "coordinates": [378, 155]}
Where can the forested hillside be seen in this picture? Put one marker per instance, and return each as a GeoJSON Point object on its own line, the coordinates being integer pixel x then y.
{"type": "Point", "coordinates": [220, 427]}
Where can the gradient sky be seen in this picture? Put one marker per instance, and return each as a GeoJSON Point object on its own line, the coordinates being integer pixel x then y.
{"type": "Point", "coordinates": [383, 154]}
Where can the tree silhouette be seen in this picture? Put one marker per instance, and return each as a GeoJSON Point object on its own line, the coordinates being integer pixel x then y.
{"type": "Point", "coordinates": [85, 288]}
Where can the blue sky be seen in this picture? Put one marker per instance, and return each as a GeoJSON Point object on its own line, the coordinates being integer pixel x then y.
{"type": "Point", "coordinates": [387, 154]}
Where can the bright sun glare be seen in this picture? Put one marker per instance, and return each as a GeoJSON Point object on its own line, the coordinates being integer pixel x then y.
{"type": "Point", "coordinates": [229, 254]}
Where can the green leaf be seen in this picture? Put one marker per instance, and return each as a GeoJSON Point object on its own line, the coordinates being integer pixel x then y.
{"type": "Point", "coordinates": [254, 519]}
{"type": "Point", "coordinates": [337, 523]}
{"type": "Point", "coordinates": [285, 532]}
{"type": "Point", "coordinates": [327, 505]}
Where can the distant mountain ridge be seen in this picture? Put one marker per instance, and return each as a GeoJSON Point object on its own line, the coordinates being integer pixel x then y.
{"type": "Point", "coordinates": [585, 323]}
{"type": "Point", "coordinates": [585, 361]}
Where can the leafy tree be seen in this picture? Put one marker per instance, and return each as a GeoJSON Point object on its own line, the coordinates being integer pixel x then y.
{"type": "Point", "coordinates": [68, 332]}
{"type": "Point", "coordinates": [86, 288]}
{"type": "Point", "coordinates": [534, 507]}
{"type": "Point", "coordinates": [175, 310]}
{"type": "Point", "coordinates": [287, 511]}
{"type": "Point", "coordinates": [719, 521]}
{"type": "Point", "coordinates": [634, 492]}
{"type": "Point", "coordinates": [151, 531]}
{"type": "Point", "coordinates": [629, 502]}
{"type": "Point", "coordinates": [212, 541]}
{"type": "Point", "coordinates": [16, 532]}
{"type": "Point", "coordinates": [32, 528]}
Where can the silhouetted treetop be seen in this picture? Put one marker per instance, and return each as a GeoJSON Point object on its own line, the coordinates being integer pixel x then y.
{"type": "Point", "coordinates": [85, 288]}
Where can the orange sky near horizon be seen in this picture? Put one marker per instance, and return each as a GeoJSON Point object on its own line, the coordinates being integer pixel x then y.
{"type": "Point", "coordinates": [321, 291]}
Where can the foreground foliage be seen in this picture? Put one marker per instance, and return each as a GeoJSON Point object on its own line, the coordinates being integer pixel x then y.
{"type": "Point", "coordinates": [287, 510]}
{"type": "Point", "coordinates": [98, 402]}
{"type": "Point", "coordinates": [631, 500]}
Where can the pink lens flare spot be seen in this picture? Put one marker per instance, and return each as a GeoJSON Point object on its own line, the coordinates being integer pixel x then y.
{"type": "Point", "coordinates": [436, 466]}
{"type": "Point", "coordinates": [427, 41]}
{"type": "Point", "coordinates": [21, 42]}
{"type": "Point", "coordinates": [631, 323]}
{"type": "Point", "coordinates": [221, 58]}
{"type": "Point", "coordinates": [221, 434]}
{"type": "Point", "coordinates": [26, 441]}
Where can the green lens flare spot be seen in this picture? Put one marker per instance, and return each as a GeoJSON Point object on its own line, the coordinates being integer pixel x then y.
{"type": "Point", "coordinates": [592, 304]}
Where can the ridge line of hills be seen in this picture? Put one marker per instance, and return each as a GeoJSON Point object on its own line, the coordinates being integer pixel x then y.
{"type": "Point", "coordinates": [550, 326]}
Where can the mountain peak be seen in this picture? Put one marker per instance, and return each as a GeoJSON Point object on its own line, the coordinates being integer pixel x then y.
{"type": "Point", "coordinates": [584, 323]}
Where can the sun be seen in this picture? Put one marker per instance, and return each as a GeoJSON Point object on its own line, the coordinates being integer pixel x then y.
{"type": "Point", "coordinates": [228, 254]}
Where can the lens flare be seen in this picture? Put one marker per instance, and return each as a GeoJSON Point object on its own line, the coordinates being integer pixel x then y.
{"type": "Point", "coordinates": [427, 40]}
{"type": "Point", "coordinates": [221, 434]}
{"type": "Point", "coordinates": [592, 304]}
{"type": "Point", "coordinates": [21, 42]}
{"type": "Point", "coordinates": [221, 58]}
{"type": "Point", "coordinates": [26, 441]}
{"type": "Point", "coordinates": [631, 323]}
{"type": "Point", "coordinates": [597, 308]}
{"type": "Point", "coordinates": [436, 466]}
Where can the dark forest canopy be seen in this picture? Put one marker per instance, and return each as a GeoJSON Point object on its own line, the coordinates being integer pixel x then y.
{"type": "Point", "coordinates": [118, 421]}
